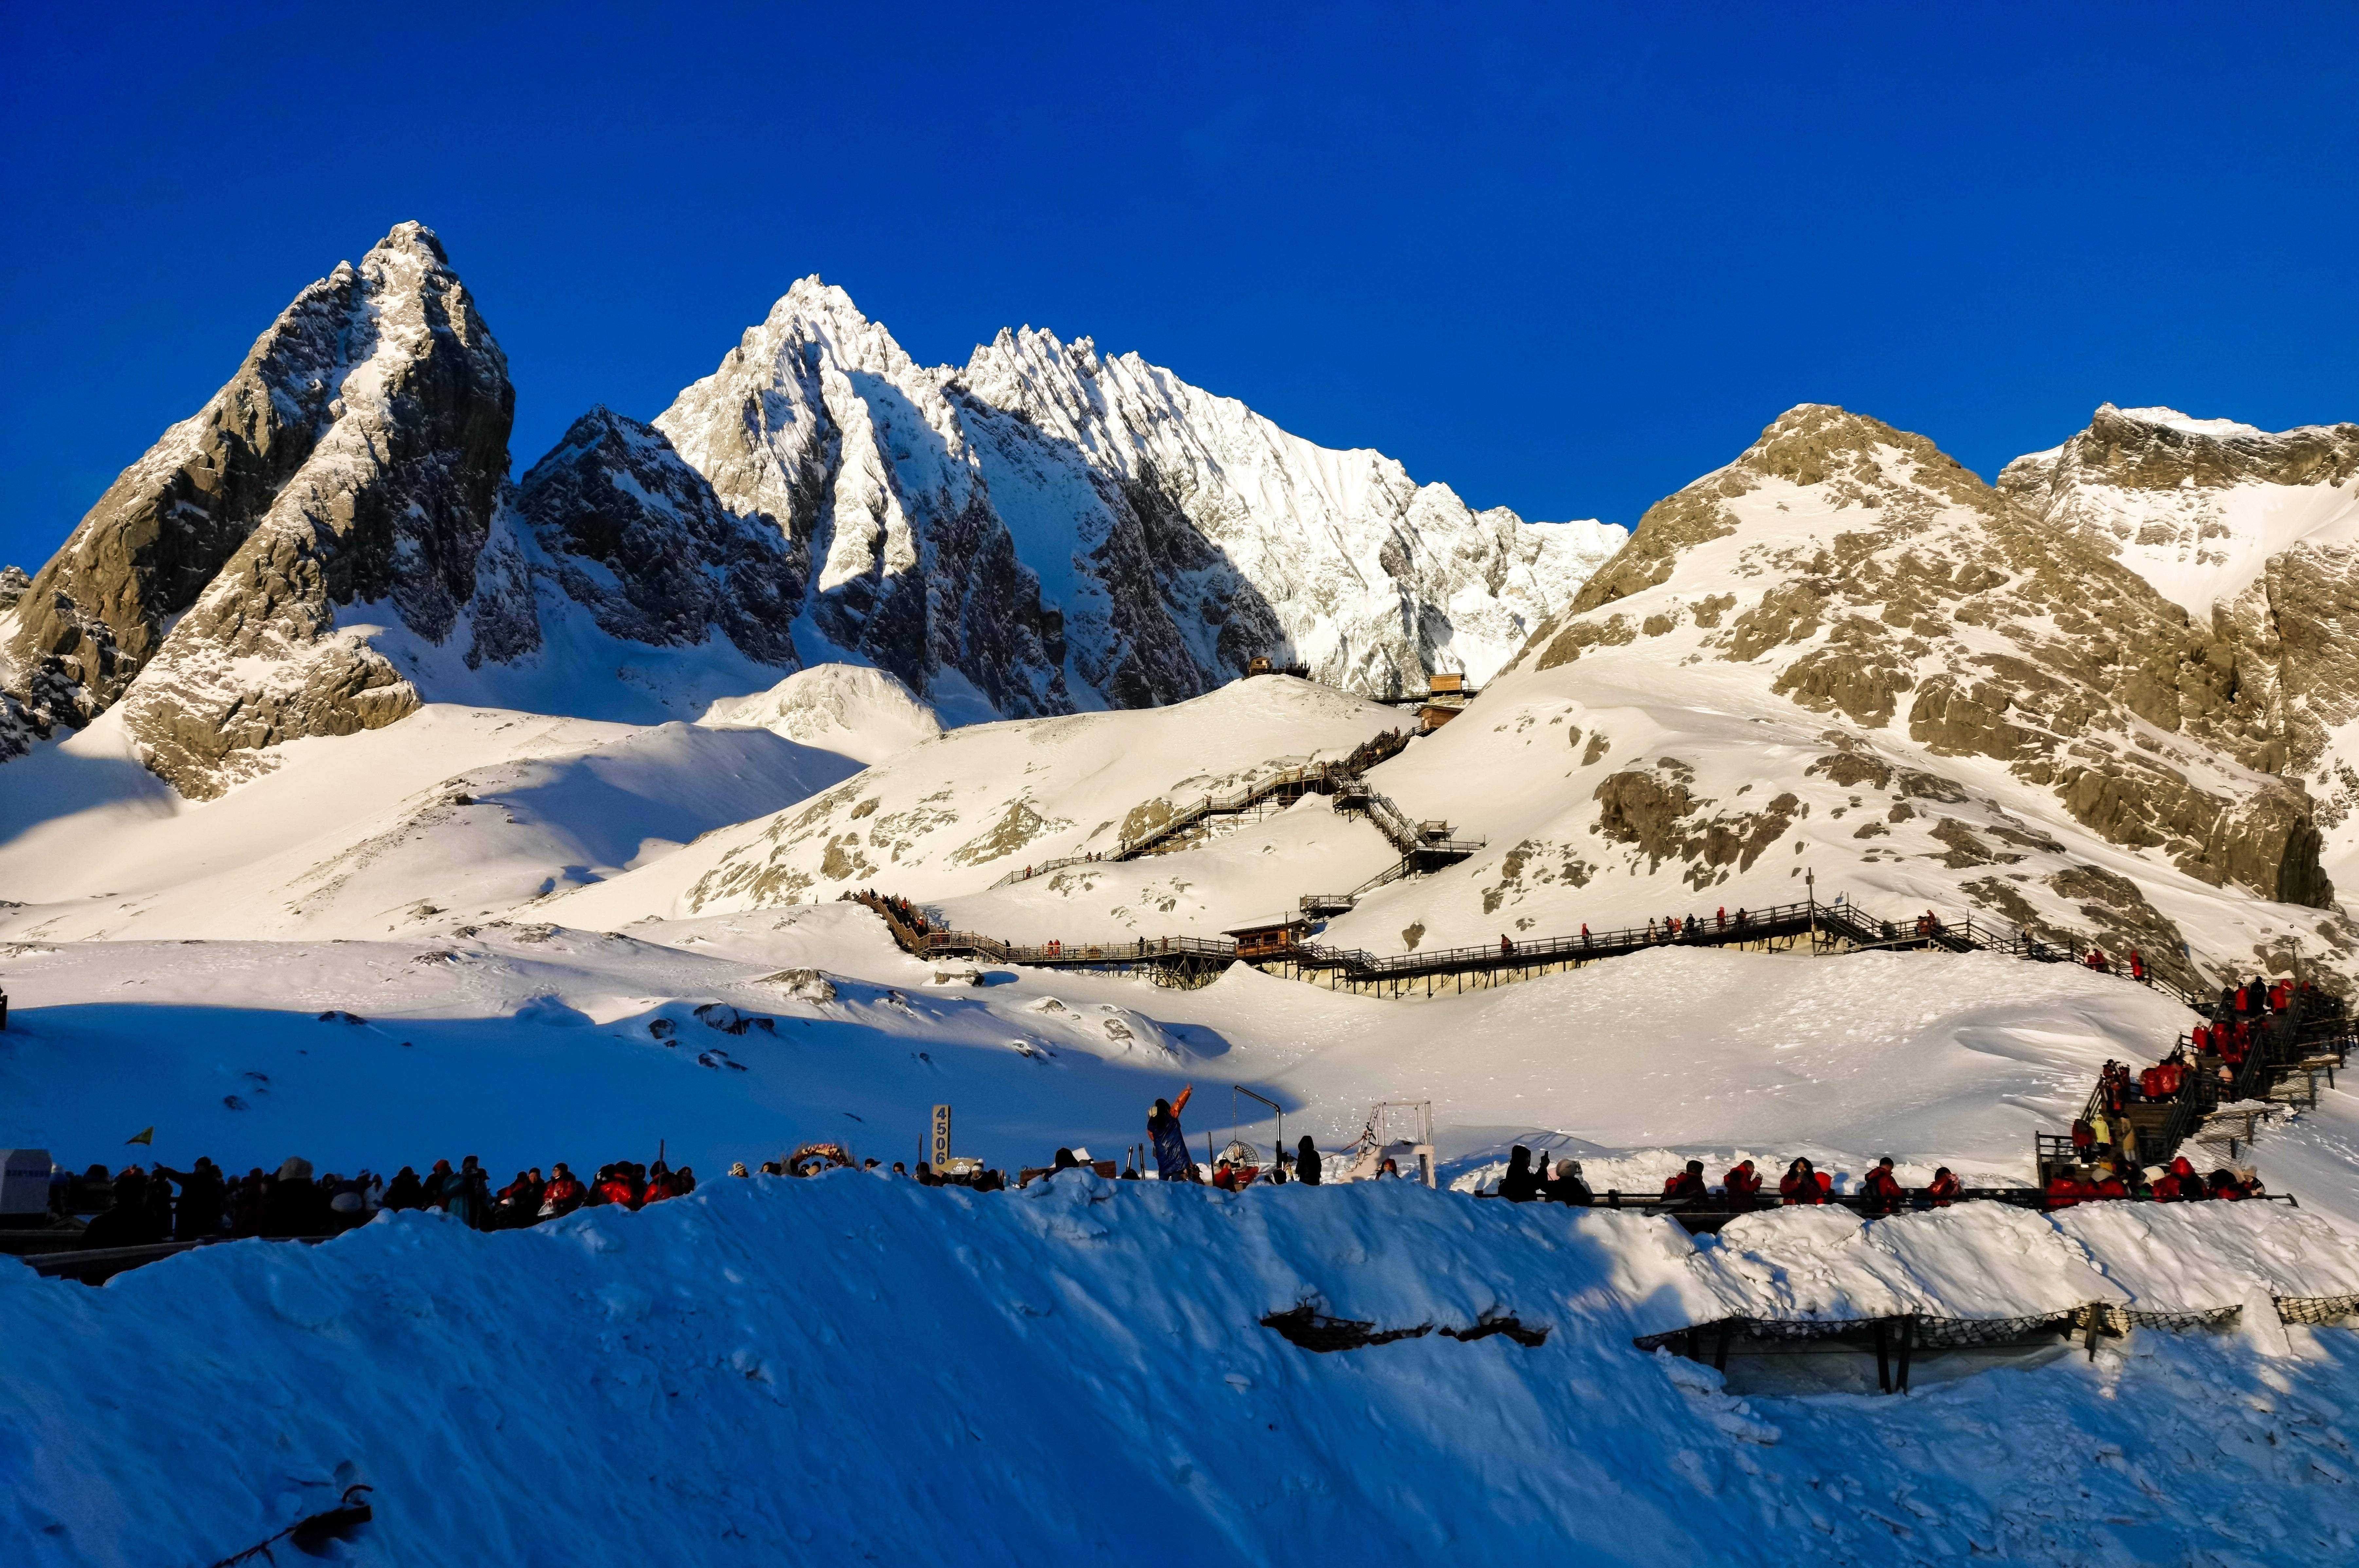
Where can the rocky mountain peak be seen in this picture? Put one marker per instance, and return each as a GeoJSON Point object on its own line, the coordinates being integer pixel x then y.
{"type": "Point", "coordinates": [2254, 537]}
{"type": "Point", "coordinates": [1870, 578]}
{"type": "Point", "coordinates": [356, 458]}
{"type": "Point", "coordinates": [392, 345]}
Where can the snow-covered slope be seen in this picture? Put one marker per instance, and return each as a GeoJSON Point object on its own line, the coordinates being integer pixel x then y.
{"type": "Point", "coordinates": [850, 709]}
{"type": "Point", "coordinates": [862, 1369]}
{"type": "Point", "coordinates": [2257, 535]}
{"type": "Point", "coordinates": [2197, 507]}
{"type": "Point", "coordinates": [1057, 528]}
{"type": "Point", "coordinates": [1844, 654]}
{"type": "Point", "coordinates": [453, 813]}
{"type": "Point", "coordinates": [960, 811]}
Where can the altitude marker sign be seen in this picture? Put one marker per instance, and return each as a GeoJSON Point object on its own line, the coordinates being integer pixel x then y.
{"type": "Point", "coordinates": [942, 1136]}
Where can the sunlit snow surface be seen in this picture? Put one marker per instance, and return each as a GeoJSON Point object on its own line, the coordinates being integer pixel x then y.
{"type": "Point", "coordinates": [856, 1369]}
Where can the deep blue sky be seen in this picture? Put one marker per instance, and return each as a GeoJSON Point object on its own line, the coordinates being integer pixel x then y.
{"type": "Point", "coordinates": [1563, 258]}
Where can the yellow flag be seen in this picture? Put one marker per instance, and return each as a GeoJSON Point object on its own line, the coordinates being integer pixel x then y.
{"type": "Point", "coordinates": [147, 1137]}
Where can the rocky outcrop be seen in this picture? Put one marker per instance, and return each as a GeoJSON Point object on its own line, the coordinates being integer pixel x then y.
{"type": "Point", "coordinates": [2172, 497]}
{"type": "Point", "coordinates": [388, 509]}
{"type": "Point", "coordinates": [2257, 535]}
{"type": "Point", "coordinates": [1879, 581]}
{"type": "Point", "coordinates": [637, 537]}
{"type": "Point", "coordinates": [1656, 815]}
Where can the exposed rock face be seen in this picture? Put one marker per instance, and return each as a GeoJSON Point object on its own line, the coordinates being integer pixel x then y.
{"type": "Point", "coordinates": [2195, 506]}
{"type": "Point", "coordinates": [2257, 535]}
{"type": "Point", "coordinates": [388, 506]}
{"type": "Point", "coordinates": [638, 537]}
{"type": "Point", "coordinates": [1879, 582]}
{"type": "Point", "coordinates": [1062, 529]}
{"type": "Point", "coordinates": [1039, 532]}
{"type": "Point", "coordinates": [95, 615]}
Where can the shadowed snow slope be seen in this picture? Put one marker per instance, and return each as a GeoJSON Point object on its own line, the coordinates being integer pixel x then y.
{"type": "Point", "coordinates": [453, 811]}
{"type": "Point", "coordinates": [858, 1367]}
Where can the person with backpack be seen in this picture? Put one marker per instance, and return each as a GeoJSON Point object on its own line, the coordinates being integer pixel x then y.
{"type": "Point", "coordinates": [1308, 1166]}
{"type": "Point", "coordinates": [1172, 1161]}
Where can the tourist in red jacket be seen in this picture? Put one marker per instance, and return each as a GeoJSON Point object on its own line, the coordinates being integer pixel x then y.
{"type": "Point", "coordinates": [1802, 1184]}
{"type": "Point", "coordinates": [1884, 1194]}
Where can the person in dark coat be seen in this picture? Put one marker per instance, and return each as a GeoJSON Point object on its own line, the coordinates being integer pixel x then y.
{"type": "Point", "coordinates": [434, 1184]}
{"type": "Point", "coordinates": [126, 1221]}
{"type": "Point", "coordinates": [404, 1191]}
{"type": "Point", "coordinates": [1308, 1166]}
{"type": "Point", "coordinates": [198, 1215]}
{"type": "Point", "coordinates": [295, 1205]}
{"type": "Point", "coordinates": [1172, 1161]}
{"type": "Point", "coordinates": [1566, 1186]}
{"type": "Point", "coordinates": [1519, 1184]}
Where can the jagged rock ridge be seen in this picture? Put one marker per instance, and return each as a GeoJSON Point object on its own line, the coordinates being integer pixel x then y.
{"type": "Point", "coordinates": [331, 541]}
{"type": "Point", "coordinates": [1061, 529]}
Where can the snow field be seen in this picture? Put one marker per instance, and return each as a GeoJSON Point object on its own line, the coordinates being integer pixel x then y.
{"type": "Point", "coordinates": [859, 1367]}
{"type": "Point", "coordinates": [530, 1043]}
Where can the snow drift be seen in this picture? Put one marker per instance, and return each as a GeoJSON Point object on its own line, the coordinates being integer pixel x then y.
{"type": "Point", "coordinates": [860, 1368]}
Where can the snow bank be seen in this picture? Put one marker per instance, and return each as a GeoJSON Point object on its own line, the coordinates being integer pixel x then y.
{"type": "Point", "coordinates": [1987, 1261]}
{"type": "Point", "coordinates": [859, 1367]}
{"type": "Point", "coordinates": [861, 712]}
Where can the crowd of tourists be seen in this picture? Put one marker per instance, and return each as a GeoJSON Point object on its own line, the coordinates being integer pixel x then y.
{"type": "Point", "coordinates": [158, 1203]}
{"type": "Point", "coordinates": [155, 1202]}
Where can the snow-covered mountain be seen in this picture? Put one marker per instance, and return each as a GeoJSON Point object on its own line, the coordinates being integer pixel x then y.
{"type": "Point", "coordinates": [2256, 536]}
{"type": "Point", "coordinates": [1844, 654]}
{"type": "Point", "coordinates": [331, 542]}
{"type": "Point", "coordinates": [1059, 528]}
{"type": "Point", "coordinates": [356, 458]}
